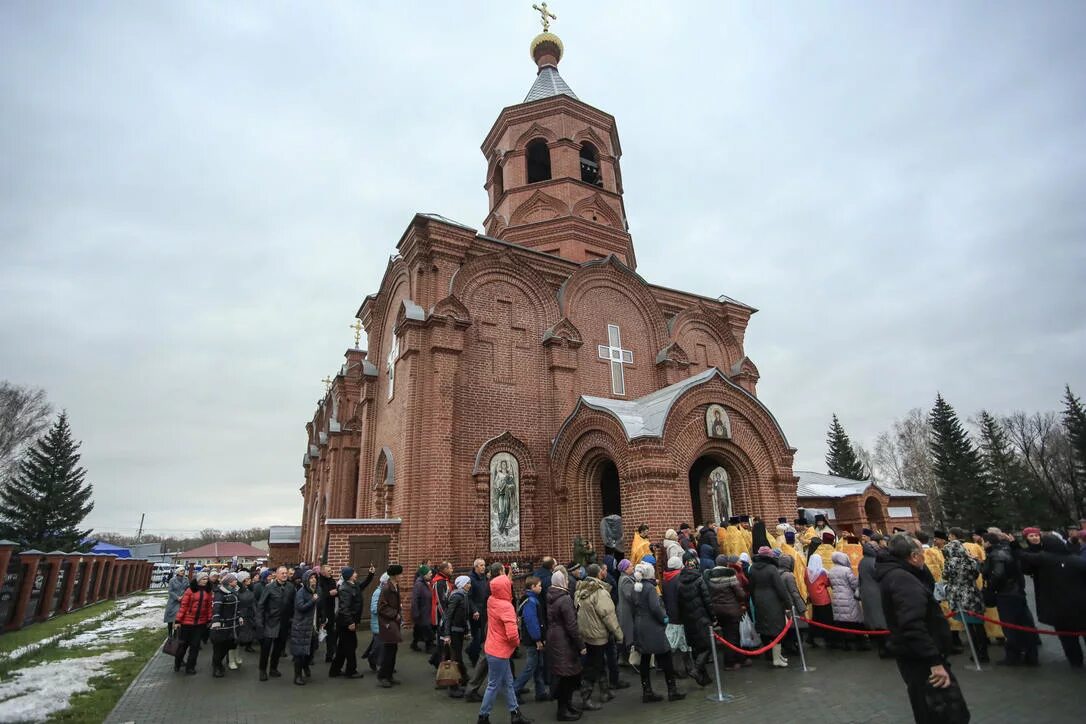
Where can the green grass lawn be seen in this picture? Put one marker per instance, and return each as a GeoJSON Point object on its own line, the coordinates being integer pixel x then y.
{"type": "Point", "coordinates": [95, 706]}
{"type": "Point", "coordinates": [38, 631]}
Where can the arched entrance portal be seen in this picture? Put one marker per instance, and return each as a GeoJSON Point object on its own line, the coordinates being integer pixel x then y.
{"type": "Point", "coordinates": [710, 491]}
{"type": "Point", "coordinates": [610, 490]}
{"type": "Point", "coordinates": [876, 519]}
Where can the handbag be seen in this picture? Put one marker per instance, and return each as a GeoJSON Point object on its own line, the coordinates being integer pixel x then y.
{"type": "Point", "coordinates": [635, 658]}
{"type": "Point", "coordinates": [748, 638]}
{"type": "Point", "coordinates": [947, 705]}
{"type": "Point", "coordinates": [172, 645]}
{"type": "Point", "coordinates": [448, 671]}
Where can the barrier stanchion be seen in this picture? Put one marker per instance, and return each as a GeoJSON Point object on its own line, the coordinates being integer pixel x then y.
{"type": "Point", "coordinates": [969, 638]}
{"type": "Point", "coordinates": [799, 640]}
{"type": "Point", "coordinates": [719, 697]}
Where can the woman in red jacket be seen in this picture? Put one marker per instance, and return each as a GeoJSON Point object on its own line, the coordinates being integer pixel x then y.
{"type": "Point", "coordinates": [818, 590]}
{"type": "Point", "coordinates": [193, 617]}
{"type": "Point", "coordinates": [502, 639]}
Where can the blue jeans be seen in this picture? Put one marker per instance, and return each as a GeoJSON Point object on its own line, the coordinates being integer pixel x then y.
{"type": "Point", "coordinates": [500, 676]}
{"type": "Point", "coordinates": [532, 670]}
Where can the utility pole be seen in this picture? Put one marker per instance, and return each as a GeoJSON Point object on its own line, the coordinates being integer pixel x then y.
{"type": "Point", "coordinates": [139, 535]}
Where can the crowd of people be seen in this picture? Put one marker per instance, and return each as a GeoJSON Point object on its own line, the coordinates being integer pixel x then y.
{"type": "Point", "coordinates": [655, 609]}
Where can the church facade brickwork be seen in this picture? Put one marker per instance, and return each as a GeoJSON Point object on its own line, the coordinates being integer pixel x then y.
{"type": "Point", "coordinates": [535, 339]}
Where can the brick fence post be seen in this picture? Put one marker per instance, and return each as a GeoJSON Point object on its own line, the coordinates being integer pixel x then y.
{"type": "Point", "coordinates": [66, 603]}
{"type": "Point", "coordinates": [29, 559]}
{"type": "Point", "coordinates": [55, 560]}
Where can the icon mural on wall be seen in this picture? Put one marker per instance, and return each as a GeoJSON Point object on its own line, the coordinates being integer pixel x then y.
{"type": "Point", "coordinates": [720, 493]}
{"type": "Point", "coordinates": [717, 423]}
{"type": "Point", "coordinates": [504, 503]}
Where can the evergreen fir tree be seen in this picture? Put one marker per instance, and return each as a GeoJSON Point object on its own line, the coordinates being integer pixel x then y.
{"type": "Point", "coordinates": [43, 504]}
{"type": "Point", "coordinates": [841, 459]}
{"type": "Point", "coordinates": [1005, 496]}
{"type": "Point", "coordinates": [958, 467]}
{"type": "Point", "coordinates": [1074, 421]}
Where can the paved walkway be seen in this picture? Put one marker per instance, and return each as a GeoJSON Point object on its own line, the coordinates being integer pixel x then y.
{"type": "Point", "coordinates": [844, 688]}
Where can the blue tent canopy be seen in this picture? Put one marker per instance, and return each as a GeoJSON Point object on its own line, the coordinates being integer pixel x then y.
{"type": "Point", "coordinates": [103, 547]}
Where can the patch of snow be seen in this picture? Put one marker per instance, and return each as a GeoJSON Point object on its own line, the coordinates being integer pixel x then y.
{"type": "Point", "coordinates": [36, 693]}
{"type": "Point", "coordinates": [146, 614]}
{"type": "Point", "coordinates": [30, 648]}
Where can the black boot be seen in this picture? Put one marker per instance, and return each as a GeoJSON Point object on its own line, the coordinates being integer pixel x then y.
{"type": "Point", "coordinates": [483, 719]}
{"type": "Point", "coordinates": [587, 704]}
{"type": "Point", "coordinates": [298, 678]}
{"type": "Point", "coordinates": [515, 717]}
{"type": "Point", "coordinates": [673, 693]}
{"type": "Point", "coordinates": [647, 694]}
{"type": "Point", "coordinates": [605, 691]}
{"type": "Point", "coordinates": [565, 714]}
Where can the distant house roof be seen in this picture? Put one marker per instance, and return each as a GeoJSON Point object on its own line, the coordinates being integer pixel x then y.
{"type": "Point", "coordinates": [820, 485]}
{"type": "Point", "coordinates": [285, 534]}
{"type": "Point", "coordinates": [224, 550]}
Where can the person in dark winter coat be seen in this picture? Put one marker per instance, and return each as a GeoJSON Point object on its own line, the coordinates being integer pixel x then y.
{"type": "Point", "coordinates": [1006, 586]}
{"type": "Point", "coordinates": [1059, 580]}
{"type": "Point", "coordinates": [871, 596]}
{"type": "Point", "coordinates": [421, 596]}
{"type": "Point", "coordinates": [919, 635]}
{"type": "Point", "coordinates": [480, 592]}
{"type": "Point", "coordinates": [390, 621]}
{"type": "Point", "coordinates": [455, 627]}
{"type": "Point", "coordinates": [349, 602]}
{"type": "Point", "coordinates": [625, 603]}
{"type": "Point", "coordinates": [707, 557]}
{"type": "Point", "coordinates": [273, 614]}
{"type": "Point", "coordinates": [326, 585]}
{"type": "Point", "coordinates": [729, 603]}
{"type": "Point", "coordinates": [225, 622]}
{"type": "Point", "coordinates": [650, 637]}
{"type": "Point", "coordinates": [193, 616]}
{"type": "Point", "coordinates": [303, 627]}
{"type": "Point", "coordinates": [247, 633]}
{"type": "Point", "coordinates": [786, 566]}
{"type": "Point", "coordinates": [695, 610]}
{"type": "Point", "coordinates": [770, 599]}
{"type": "Point", "coordinates": [564, 646]}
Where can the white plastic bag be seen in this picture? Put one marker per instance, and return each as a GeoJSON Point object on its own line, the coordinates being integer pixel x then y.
{"type": "Point", "coordinates": [748, 639]}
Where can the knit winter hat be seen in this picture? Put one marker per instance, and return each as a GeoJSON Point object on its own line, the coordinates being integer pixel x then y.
{"type": "Point", "coordinates": [243, 576]}
{"type": "Point", "coordinates": [346, 572]}
{"type": "Point", "coordinates": [202, 575]}
{"type": "Point", "coordinates": [765, 551]}
{"type": "Point", "coordinates": [229, 577]}
{"type": "Point", "coordinates": [651, 560]}
{"type": "Point", "coordinates": [461, 582]}
{"type": "Point", "coordinates": [722, 560]}
{"type": "Point", "coordinates": [674, 563]}
{"type": "Point", "coordinates": [423, 570]}
{"type": "Point", "coordinates": [1031, 530]}
{"type": "Point", "coordinates": [624, 565]}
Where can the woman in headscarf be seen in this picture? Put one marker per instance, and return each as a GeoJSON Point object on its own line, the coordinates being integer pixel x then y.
{"type": "Point", "coordinates": [771, 600]}
{"type": "Point", "coordinates": [225, 621]}
{"type": "Point", "coordinates": [564, 646]}
{"type": "Point", "coordinates": [303, 626]}
{"type": "Point", "coordinates": [818, 590]}
{"type": "Point", "coordinates": [960, 572]}
{"type": "Point", "coordinates": [625, 605]}
{"type": "Point", "coordinates": [455, 626]}
{"type": "Point", "coordinates": [174, 591]}
{"type": "Point", "coordinates": [650, 622]}
{"type": "Point", "coordinates": [247, 612]}
{"type": "Point", "coordinates": [871, 596]}
{"type": "Point", "coordinates": [671, 546]}
{"type": "Point", "coordinates": [844, 600]}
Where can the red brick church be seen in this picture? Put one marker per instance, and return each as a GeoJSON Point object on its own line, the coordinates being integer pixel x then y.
{"type": "Point", "coordinates": [522, 382]}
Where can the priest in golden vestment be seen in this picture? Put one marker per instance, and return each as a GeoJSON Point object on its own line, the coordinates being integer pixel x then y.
{"type": "Point", "coordinates": [641, 545]}
{"type": "Point", "coordinates": [731, 538]}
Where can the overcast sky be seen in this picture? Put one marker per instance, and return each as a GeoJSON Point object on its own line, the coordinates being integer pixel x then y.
{"type": "Point", "coordinates": [196, 196]}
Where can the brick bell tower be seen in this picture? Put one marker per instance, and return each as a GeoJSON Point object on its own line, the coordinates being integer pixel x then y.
{"type": "Point", "coordinates": [553, 177]}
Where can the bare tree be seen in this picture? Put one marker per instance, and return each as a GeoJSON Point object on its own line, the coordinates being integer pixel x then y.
{"type": "Point", "coordinates": [902, 459]}
{"type": "Point", "coordinates": [1045, 450]}
{"type": "Point", "coordinates": [24, 414]}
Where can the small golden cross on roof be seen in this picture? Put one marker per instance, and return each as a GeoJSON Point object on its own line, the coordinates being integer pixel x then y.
{"type": "Point", "coordinates": [327, 383]}
{"type": "Point", "coordinates": [545, 15]}
{"type": "Point", "coordinates": [357, 327]}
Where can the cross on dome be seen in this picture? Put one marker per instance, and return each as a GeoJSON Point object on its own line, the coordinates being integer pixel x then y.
{"type": "Point", "coordinates": [545, 16]}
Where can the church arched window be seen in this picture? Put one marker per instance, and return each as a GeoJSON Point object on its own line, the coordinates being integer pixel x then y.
{"type": "Point", "coordinates": [539, 161]}
{"type": "Point", "coordinates": [590, 165]}
{"type": "Point", "coordinates": [499, 181]}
